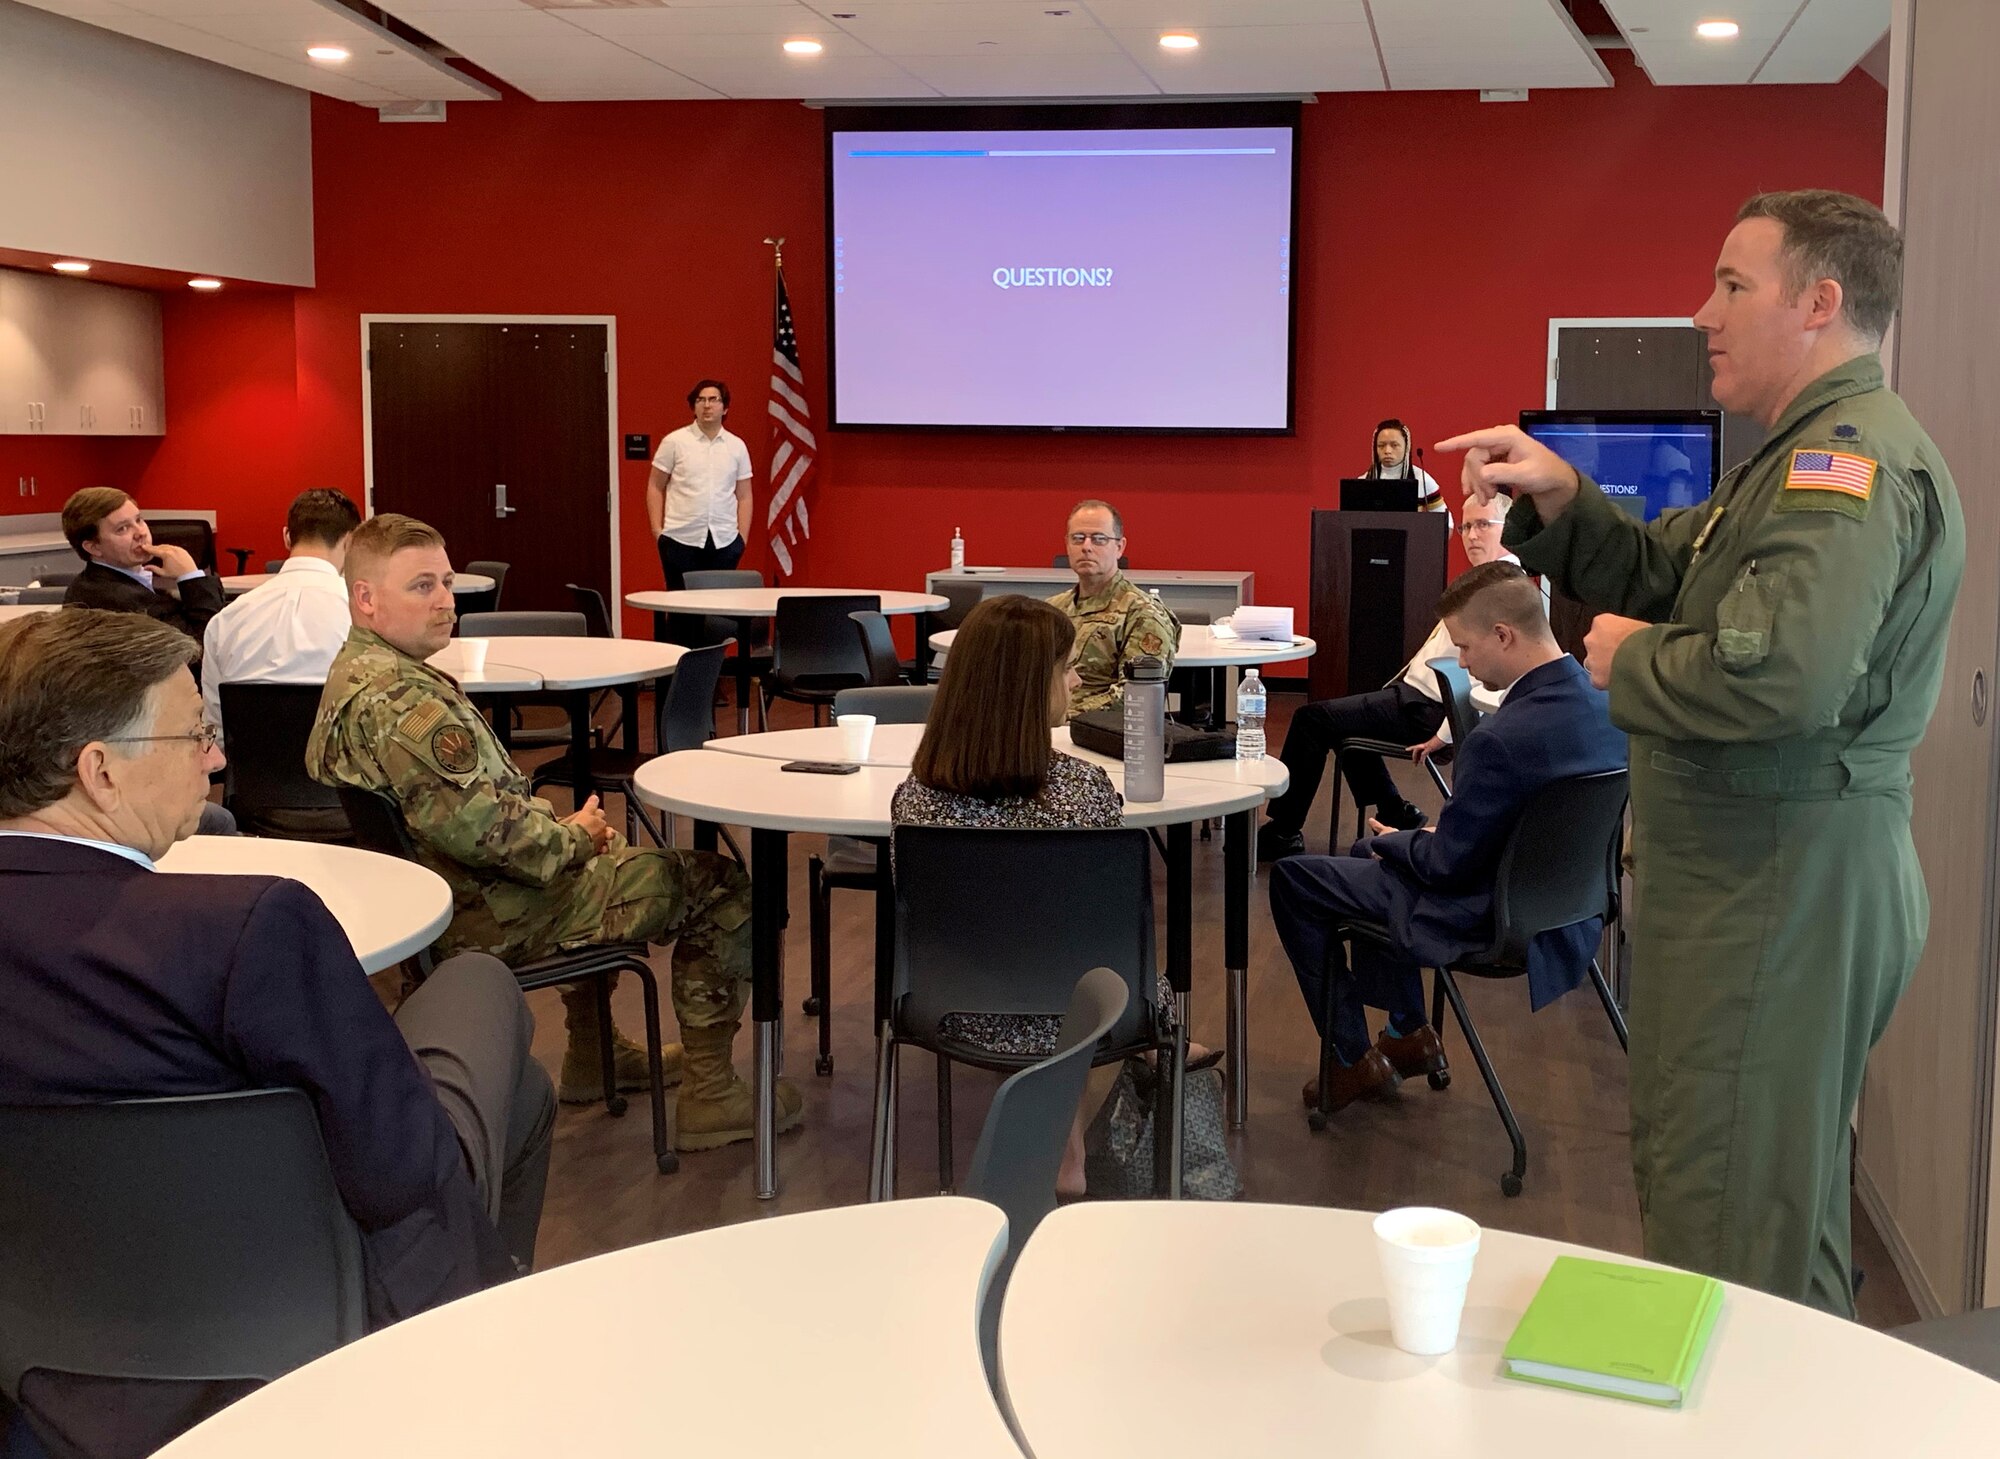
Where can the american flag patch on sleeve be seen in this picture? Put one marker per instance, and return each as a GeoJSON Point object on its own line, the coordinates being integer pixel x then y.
{"type": "Point", "coordinates": [1831, 471]}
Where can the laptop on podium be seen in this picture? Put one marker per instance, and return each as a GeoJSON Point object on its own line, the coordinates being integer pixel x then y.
{"type": "Point", "coordinates": [1378, 494]}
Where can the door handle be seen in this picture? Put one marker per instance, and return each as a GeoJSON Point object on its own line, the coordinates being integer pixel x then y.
{"type": "Point", "coordinates": [500, 507]}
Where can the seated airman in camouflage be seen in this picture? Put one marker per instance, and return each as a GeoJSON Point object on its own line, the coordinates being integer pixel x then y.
{"type": "Point", "coordinates": [1116, 621]}
{"type": "Point", "coordinates": [524, 882]}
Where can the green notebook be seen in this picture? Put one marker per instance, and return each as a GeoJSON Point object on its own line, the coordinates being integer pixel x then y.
{"type": "Point", "coordinates": [1605, 1327]}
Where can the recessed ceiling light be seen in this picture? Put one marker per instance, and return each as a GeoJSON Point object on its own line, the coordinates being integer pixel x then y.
{"type": "Point", "coordinates": [804, 48]}
{"type": "Point", "coordinates": [205, 285]}
{"type": "Point", "coordinates": [71, 266]}
{"type": "Point", "coordinates": [1176, 40]}
{"type": "Point", "coordinates": [1717, 30]}
{"type": "Point", "coordinates": [327, 53]}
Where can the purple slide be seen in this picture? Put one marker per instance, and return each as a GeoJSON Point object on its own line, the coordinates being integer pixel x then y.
{"type": "Point", "coordinates": [1130, 278]}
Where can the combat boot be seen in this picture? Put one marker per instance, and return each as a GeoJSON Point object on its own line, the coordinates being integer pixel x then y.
{"type": "Point", "coordinates": [716, 1107]}
{"type": "Point", "coordinates": [583, 1066]}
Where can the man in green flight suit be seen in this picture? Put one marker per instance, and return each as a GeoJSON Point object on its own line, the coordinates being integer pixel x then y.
{"type": "Point", "coordinates": [1116, 621]}
{"type": "Point", "coordinates": [524, 883]}
{"type": "Point", "coordinates": [1774, 656]}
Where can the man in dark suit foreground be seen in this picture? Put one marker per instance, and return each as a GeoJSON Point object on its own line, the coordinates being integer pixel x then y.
{"type": "Point", "coordinates": [120, 982]}
{"type": "Point", "coordinates": [124, 567]}
{"type": "Point", "coordinates": [1434, 888]}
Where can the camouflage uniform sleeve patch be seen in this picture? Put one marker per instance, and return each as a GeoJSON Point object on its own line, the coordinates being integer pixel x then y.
{"type": "Point", "coordinates": [1150, 642]}
{"type": "Point", "coordinates": [453, 749]}
{"type": "Point", "coordinates": [421, 720]}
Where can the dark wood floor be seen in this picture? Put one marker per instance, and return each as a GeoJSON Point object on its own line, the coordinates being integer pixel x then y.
{"type": "Point", "coordinates": [1562, 1068]}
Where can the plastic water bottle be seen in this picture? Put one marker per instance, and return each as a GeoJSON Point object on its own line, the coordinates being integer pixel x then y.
{"type": "Point", "coordinates": [1145, 730]}
{"type": "Point", "coordinates": [957, 550]}
{"type": "Point", "coordinates": [1251, 702]}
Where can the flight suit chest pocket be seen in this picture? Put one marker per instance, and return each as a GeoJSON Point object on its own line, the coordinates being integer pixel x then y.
{"type": "Point", "coordinates": [1743, 618]}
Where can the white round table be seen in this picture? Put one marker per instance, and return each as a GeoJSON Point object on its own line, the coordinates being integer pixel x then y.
{"type": "Point", "coordinates": [10, 611]}
{"type": "Point", "coordinates": [493, 678]}
{"type": "Point", "coordinates": [1147, 1327]}
{"type": "Point", "coordinates": [749, 787]}
{"type": "Point", "coordinates": [572, 667]}
{"type": "Point", "coordinates": [243, 582]}
{"type": "Point", "coordinates": [763, 602]}
{"type": "Point", "coordinates": [389, 908]}
{"type": "Point", "coordinates": [850, 1333]}
{"type": "Point", "coordinates": [1201, 649]}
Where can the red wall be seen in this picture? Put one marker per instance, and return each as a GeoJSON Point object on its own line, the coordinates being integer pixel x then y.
{"type": "Point", "coordinates": [1437, 237]}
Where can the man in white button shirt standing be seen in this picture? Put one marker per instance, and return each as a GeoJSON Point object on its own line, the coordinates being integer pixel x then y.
{"type": "Point", "coordinates": [287, 630]}
{"type": "Point", "coordinates": [698, 495]}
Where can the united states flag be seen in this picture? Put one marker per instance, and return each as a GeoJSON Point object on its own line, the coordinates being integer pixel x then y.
{"type": "Point", "coordinates": [1831, 471]}
{"type": "Point", "coordinates": [792, 448]}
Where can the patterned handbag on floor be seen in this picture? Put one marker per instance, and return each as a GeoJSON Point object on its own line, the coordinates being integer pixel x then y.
{"type": "Point", "coordinates": [1118, 1147]}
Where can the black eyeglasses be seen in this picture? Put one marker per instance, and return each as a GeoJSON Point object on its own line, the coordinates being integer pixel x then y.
{"type": "Point", "coordinates": [208, 737]}
{"type": "Point", "coordinates": [1095, 539]}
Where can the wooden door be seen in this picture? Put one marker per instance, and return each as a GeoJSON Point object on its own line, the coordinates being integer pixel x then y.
{"type": "Point", "coordinates": [460, 411]}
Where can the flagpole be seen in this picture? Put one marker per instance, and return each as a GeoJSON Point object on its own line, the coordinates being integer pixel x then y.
{"type": "Point", "coordinates": [778, 251]}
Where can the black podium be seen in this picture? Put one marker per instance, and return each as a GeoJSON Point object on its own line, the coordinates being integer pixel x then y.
{"type": "Point", "coordinates": [1376, 577]}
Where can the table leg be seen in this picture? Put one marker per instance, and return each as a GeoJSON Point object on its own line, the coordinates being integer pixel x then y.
{"type": "Point", "coordinates": [706, 835]}
{"type": "Point", "coordinates": [1238, 872]}
{"type": "Point", "coordinates": [579, 745]}
{"type": "Point", "coordinates": [1180, 914]}
{"type": "Point", "coordinates": [768, 892]}
{"type": "Point", "coordinates": [925, 628]}
{"type": "Point", "coordinates": [628, 698]}
{"type": "Point", "coordinates": [885, 976]}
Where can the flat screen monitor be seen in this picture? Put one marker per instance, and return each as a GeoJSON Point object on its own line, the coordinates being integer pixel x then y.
{"type": "Point", "coordinates": [1062, 268]}
{"type": "Point", "coordinates": [1644, 460]}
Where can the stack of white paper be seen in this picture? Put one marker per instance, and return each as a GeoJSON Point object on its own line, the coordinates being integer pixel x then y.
{"type": "Point", "coordinates": [1270, 625]}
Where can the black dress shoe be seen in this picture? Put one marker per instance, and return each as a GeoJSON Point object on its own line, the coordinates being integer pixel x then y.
{"type": "Point", "coordinates": [1403, 816]}
{"type": "Point", "coordinates": [1275, 843]}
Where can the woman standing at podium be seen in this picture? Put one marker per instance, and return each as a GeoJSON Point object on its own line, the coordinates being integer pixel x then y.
{"type": "Point", "coordinates": [1392, 463]}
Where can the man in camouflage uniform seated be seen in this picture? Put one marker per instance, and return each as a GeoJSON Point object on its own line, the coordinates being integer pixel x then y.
{"type": "Point", "coordinates": [1116, 621]}
{"type": "Point", "coordinates": [524, 883]}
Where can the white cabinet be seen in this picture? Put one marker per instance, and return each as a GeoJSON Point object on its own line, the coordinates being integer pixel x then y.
{"type": "Point", "coordinates": [79, 358]}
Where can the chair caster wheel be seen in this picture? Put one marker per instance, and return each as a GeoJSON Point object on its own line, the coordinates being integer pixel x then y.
{"type": "Point", "coordinates": [615, 1105]}
{"type": "Point", "coordinates": [823, 1067]}
{"type": "Point", "coordinates": [669, 1163]}
{"type": "Point", "coordinates": [1315, 1121]}
{"type": "Point", "coordinates": [1441, 1079]}
{"type": "Point", "coordinates": [1510, 1184]}
{"type": "Point", "coordinates": [810, 1008]}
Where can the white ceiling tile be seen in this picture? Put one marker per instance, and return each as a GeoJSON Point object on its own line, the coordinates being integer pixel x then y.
{"type": "Point", "coordinates": [761, 19]}
{"type": "Point", "coordinates": [1001, 76]}
{"type": "Point", "coordinates": [674, 48]}
{"type": "Point", "coordinates": [1827, 41]}
{"type": "Point", "coordinates": [1262, 58]}
{"type": "Point", "coordinates": [1084, 41]}
{"type": "Point", "coordinates": [1162, 15]}
{"type": "Point", "coordinates": [268, 38]}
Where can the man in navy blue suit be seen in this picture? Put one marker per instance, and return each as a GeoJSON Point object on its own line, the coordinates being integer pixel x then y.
{"type": "Point", "coordinates": [120, 982]}
{"type": "Point", "coordinates": [1433, 888]}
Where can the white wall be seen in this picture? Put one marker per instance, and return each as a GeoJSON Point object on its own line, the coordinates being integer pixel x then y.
{"type": "Point", "coordinates": [115, 150]}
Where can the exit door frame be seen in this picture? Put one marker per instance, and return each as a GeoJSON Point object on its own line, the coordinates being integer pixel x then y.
{"type": "Point", "coordinates": [1557, 326]}
{"type": "Point", "coordinates": [610, 322]}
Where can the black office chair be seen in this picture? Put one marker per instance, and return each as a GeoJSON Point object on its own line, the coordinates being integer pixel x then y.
{"type": "Point", "coordinates": [1061, 559]}
{"type": "Point", "coordinates": [1559, 867]}
{"type": "Point", "coordinates": [1455, 688]}
{"type": "Point", "coordinates": [191, 534]}
{"type": "Point", "coordinates": [965, 945]}
{"type": "Point", "coordinates": [486, 600]}
{"type": "Point", "coordinates": [199, 1239]}
{"type": "Point", "coordinates": [683, 719]}
{"type": "Point", "coordinates": [590, 603]}
{"type": "Point", "coordinates": [378, 826]}
{"type": "Point", "coordinates": [1970, 1339]}
{"type": "Point", "coordinates": [1020, 1147]}
{"type": "Point", "coordinates": [265, 786]}
{"type": "Point", "coordinates": [44, 596]}
{"type": "Point", "coordinates": [817, 653]}
{"type": "Point", "coordinates": [851, 863]}
{"type": "Point", "coordinates": [271, 564]}
{"type": "Point", "coordinates": [879, 650]}
{"type": "Point", "coordinates": [56, 579]}
{"type": "Point", "coordinates": [962, 598]}
{"type": "Point", "coordinates": [242, 556]}
{"type": "Point", "coordinates": [752, 659]}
